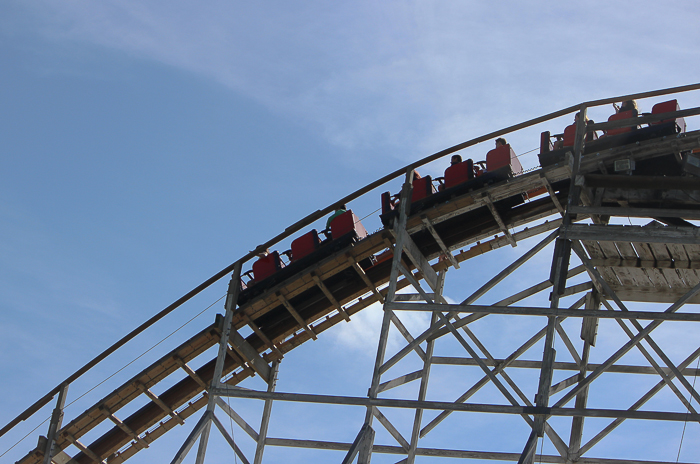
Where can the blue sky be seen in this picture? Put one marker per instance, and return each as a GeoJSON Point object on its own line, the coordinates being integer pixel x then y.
{"type": "Point", "coordinates": [146, 145]}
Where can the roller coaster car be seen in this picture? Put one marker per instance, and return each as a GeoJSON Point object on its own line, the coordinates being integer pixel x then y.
{"type": "Point", "coordinates": [669, 107]}
{"type": "Point", "coordinates": [305, 245]}
{"type": "Point", "coordinates": [501, 164]}
{"type": "Point", "coordinates": [307, 249]}
{"type": "Point", "coordinates": [265, 266]}
{"type": "Point", "coordinates": [621, 136]}
{"type": "Point", "coordinates": [504, 161]}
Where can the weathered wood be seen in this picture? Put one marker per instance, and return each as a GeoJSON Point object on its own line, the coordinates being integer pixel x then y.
{"type": "Point", "coordinates": [499, 220]}
{"type": "Point", "coordinates": [439, 241]}
{"type": "Point", "coordinates": [167, 409]}
{"type": "Point", "coordinates": [296, 315]}
{"type": "Point", "coordinates": [467, 407]}
{"type": "Point", "coordinates": [612, 233]}
{"type": "Point", "coordinates": [250, 355]}
{"type": "Point", "coordinates": [363, 275]}
{"type": "Point", "coordinates": [330, 296]}
{"type": "Point", "coordinates": [635, 212]}
{"type": "Point", "coordinates": [541, 311]}
{"type": "Point", "coordinates": [237, 419]}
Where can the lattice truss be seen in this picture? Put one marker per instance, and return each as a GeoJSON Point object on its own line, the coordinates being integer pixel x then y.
{"type": "Point", "coordinates": [553, 381]}
{"type": "Point", "coordinates": [542, 400]}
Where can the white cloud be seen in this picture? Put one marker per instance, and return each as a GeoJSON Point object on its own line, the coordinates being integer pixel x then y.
{"type": "Point", "coordinates": [362, 334]}
{"type": "Point", "coordinates": [391, 75]}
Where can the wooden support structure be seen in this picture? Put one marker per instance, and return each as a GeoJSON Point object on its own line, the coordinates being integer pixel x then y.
{"type": "Point", "coordinates": [363, 275]}
{"type": "Point", "coordinates": [655, 263]}
{"type": "Point", "coordinates": [140, 441]}
{"type": "Point", "coordinates": [330, 296]}
{"type": "Point", "coordinates": [296, 316]}
{"type": "Point", "coordinates": [499, 220]}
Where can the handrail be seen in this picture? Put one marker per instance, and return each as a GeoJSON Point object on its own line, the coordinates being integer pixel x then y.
{"type": "Point", "coordinates": [319, 214]}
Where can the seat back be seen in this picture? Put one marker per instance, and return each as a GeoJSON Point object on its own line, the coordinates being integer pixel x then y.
{"type": "Point", "coordinates": [266, 266]}
{"type": "Point", "coordinates": [546, 142]}
{"type": "Point", "coordinates": [618, 117]}
{"type": "Point", "coordinates": [459, 173]}
{"type": "Point", "coordinates": [387, 207]}
{"type": "Point", "coordinates": [346, 223]}
{"type": "Point", "coordinates": [569, 136]}
{"type": "Point", "coordinates": [503, 158]}
{"type": "Point", "coordinates": [422, 188]}
{"type": "Point", "coordinates": [305, 245]}
{"type": "Point", "coordinates": [668, 107]}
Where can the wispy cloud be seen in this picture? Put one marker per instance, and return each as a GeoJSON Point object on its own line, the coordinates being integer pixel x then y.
{"type": "Point", "coordinates": [390, 75]}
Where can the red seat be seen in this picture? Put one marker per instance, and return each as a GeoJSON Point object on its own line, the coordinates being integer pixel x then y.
{"type": "Point", "coordinates": [305, 245]}
{"type": "Point", "coordinates": [668, 107]}
{"type": "Point", "coordinates": [346, 223]}
{"type": "Point", "coordinates": [422, 187]}
{"type": "Point", "coordinates": [569, 136]}
{"type": "Point", "coordinates": [459, 173]}
{"type": "Point", "coordinates": [618, 117]}
{"type": "Point", "coordinates": [266, 266]}
{"type": "Point", "coordinates": [503, 158]}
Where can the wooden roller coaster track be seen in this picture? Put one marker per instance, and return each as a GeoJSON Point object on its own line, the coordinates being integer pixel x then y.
{"type": "Point", "coordinates": [332, 290]}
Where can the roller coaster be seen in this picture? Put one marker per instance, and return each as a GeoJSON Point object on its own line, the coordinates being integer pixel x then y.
{"type": "Point", "coordinates": [641, 165]}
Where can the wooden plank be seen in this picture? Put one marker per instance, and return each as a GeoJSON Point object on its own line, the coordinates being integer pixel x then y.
{"type": "Point", "coordinates": [639, 276]}
{"type": "Point", "coordinates": [365, 278]}
{"type": "Point", "coordinates": [655, 275]}
{"type": "Point", "coordinates": [679, 256]}
{"type": "Point", "coordinates": [420, 261]}
{"type": "Point", "coordinates": [595, 252]}
{"type": "Point", "coordinates": [610, 251]}
{"type": "Point", "coordinates": [661, 253]}
{"type": "Point", "coordinates": [499, 220]}
{"type": "Point", "coordinates": [329, 295]}
{"type": "Point", "coordinates": [297, 317]}
{"type": "Point", "coordinates": [250, 354]}
{"type": "Point", "coordinates": [439, 241]}
{"type": "Point", "coordinates": [613, 233]}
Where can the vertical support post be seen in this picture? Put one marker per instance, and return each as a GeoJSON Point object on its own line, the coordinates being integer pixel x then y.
{"type": "Point", "coordinates": [234, 287]}
{"type": "Point", "coordinates": [55, 425]}
{"type": "Point", "coordinates": [399, 225]}
{"type": "Point", "coordinates": [560, 267]}
{"type": "Point", "coordinates": [415, 433]}
{"type": "Point", "coordinates": [588, 336]}
{"type": "Point", "coordinates": [267, 410]}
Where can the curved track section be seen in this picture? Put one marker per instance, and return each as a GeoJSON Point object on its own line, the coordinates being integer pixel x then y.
{"type": "Point", "coordinates": [296, 307]}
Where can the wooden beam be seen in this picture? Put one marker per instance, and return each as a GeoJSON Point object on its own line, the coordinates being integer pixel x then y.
{"type": "Point", "coordinates": [160, 402]}
{"type": "Point", "coordinates": [418, 259]}
{"type": "Point", "coordinates": [616, 233]}
{"type": "Point", "coordinates": [237, 419]}
{"type": "Point", "coordinates": [125, 428]}
{"type": "Point", "coordinates": [443, 405]}
{"type": "Point", "coordinates": [181, 362]}
{"type": "Point", "coordinates": [364, 277]}
{"type": "Point", "coordinates": [439, 241]}
{"type": "Point", "coordinates": [499, 219]}
{"type": "Point", "coordinates": [635, 212]}
{"type": "Point", "coordinates": [296, 315]}
{"type": "Point", "coordinates": [261, 334]}
{"type": "Point", "coordinates": [250, 355]}
{"type": "Point", "coordinates": [390, 428]}
{"type": "Point", "coordinates": [643, 182]}
{"type": "Point", "coordinates": [404, 379]}
{"type": "Point", "coordinates": [329, 295]}
{"type": "Point", "coordinates": [551, 192]}
{"type": "Point", "coordinates": [85, 450]}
